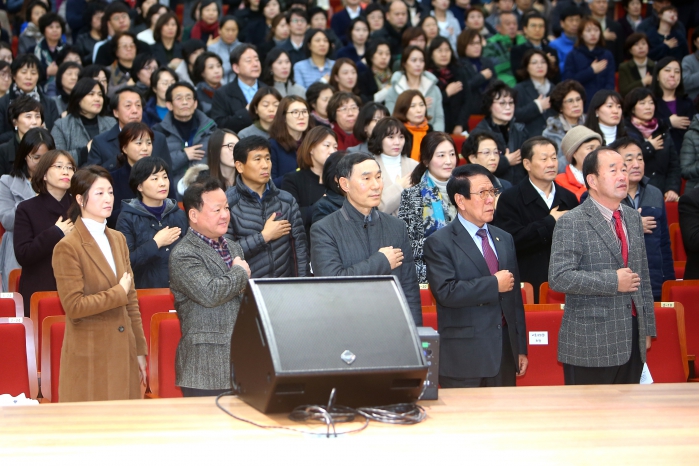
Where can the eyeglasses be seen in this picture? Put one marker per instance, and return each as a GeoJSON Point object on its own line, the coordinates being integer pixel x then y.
{"type": "Point", "coordinates": [352, 109]}
{"type": "Point", "coordinates": [5, 75]}
{"type": "Point", "coordinates": [298, 113]}
{"type": "Point", "coordinates": [573, 100]}
{"type": "Point", "coordinates": [505, 103]}
{"type": "Point", "coordinates": [486, 193]}
{"type": "Point", "coordinates": [230, 146]}
{"type": "Point", "coordinates": [490, 153]}
{"type": "Point", "coordinates": [184, 98]}
{"type": "Point", "coordinates": [61, 168]}
{"type": "Point", "coordinates": [128, 46]}
{"type": "Point", "coordinates": [298, 21]}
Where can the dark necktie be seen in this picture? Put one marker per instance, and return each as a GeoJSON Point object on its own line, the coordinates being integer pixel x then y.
{"type": "Point", "coordinates": [619, 230]}
{"type": "Point", "coordinates": [488, 254]}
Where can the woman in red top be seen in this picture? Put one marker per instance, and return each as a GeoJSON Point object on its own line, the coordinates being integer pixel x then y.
{"type": "Point", "coordinates": [577, 143]}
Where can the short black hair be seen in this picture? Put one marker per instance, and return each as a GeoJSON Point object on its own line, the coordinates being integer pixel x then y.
{"type": "Point", "coordinates": [532, 14]}
{"type": "Point", "coordinates": [168, 93]}
{"type": "Point", "coordinates": [65, 51]}
{"type": "Point", "coordinates": [620, 143]}
{"type": "Point", "coordinates": [310, 34]}
{"type": "Point", "coordinates": [330, 175]}
{"type": "Point", "coordinates": [62, 68]}
{"type": "Point", "coordinates": [82, 88]}
{"type": "Point", "coordinates": [385, 128]}
{"type": "Point", "coordinates": [247, 145]}
{"type": "Point", "coordinates": [460, 182]}
{"type": "Point", "coordinates": [192, 198]}
{"type": "Point", "coordinates": [570, 10]}
{"type": "Point", "coordinates": [634, 97]}
{"type": "Point", "coordinates": [314, 90]}
{"type": "Point", "coordinates": [200, 65]}
{"type": "Point", "coordinates": [30, 7]}
{"type": "Point", "coordinates": [48, 19]}
{"type": "Point", "coordinates": [114, 101]}
{"type": "Point", "coordinates": [143, 169]}
{"type": "Point", "coordinates": [114, 42]}
{"type": "Point", "coordinates": [24, 104]}
{"type": "Point", "coordinates": [93, 71]}
{"type": "Point", "coordinates": [494, 91]}
{"type": "Point", "coordinates": [222, 22]}
{"type": "Point", "coordinates": [527, 149]}
{"type": "Point", "coordinates": [347, 163]}
{"type": "Point", "coordinates": [155, 77]}
{"type": "Point", "coordinates": [298, 12]}
{"type": "Point", "coordinates": [373, 46]}
{"type": "Point", "coordinates": [30, 61]}
{"type": "Point", "coordinates": [30, 143]}
{"type": "Point", "coordinates": [240, 50]}
{"type": "Point", "coordinates": [590, 165]}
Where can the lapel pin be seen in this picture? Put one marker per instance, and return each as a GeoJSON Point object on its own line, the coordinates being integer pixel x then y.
{"type": "Point", "coordinates": [497, 239]}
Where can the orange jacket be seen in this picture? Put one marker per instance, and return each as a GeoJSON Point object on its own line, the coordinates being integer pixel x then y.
{"type": "Point", "coordinates": [568, 181]}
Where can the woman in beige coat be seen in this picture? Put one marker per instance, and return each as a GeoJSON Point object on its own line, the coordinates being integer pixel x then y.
{"type": "Point", "coordinates": [103, 356]}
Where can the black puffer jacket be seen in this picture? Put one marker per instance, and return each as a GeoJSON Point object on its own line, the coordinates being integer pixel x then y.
{"type": "Point", "coordinates": [662, 165]}
{"type": "Point", "coordinates": [284, 257]}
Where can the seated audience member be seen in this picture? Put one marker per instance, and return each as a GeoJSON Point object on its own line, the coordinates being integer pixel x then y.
{"type": "Point", "coordinates": [425, 207]}
{"type": "Point", "coordinates": [263, 109]}
{"type": "Point", "coordinates": [5, 78]}
{"type": "Point", "coordinates": [356, 40]}
{"type": "Point", "coordinates": [370, 114]}
{"type": "Point", "coordinates": [258, 26]}
{"type": "Point", "coordinates": [568, 102]}
{"type": "Point", "coordinates": [208, 75]}
{"type": "Point", "coordinates": [290, 125]}
{"type": "Point", "coordinates": [318, 19]}
{"type": "Point", "coordinates": [191, 49]}
{"type": "Point", "coordinates": [481, 148]}
{"type": "Point", "coordinates": [334, 196]}
{"type": "Point", "coordinates": [229, 108]}
{"type": "Point", "coordinates": [452, 82]}
{"type": "Point", "coordinates": [529, 211]}
{"type": "Point", "coordinates": [145, 30]}
{"type": "Point", "coordinates": [499, 46]}
{"type": "Point", "coordinates": [652, 135]}
{"type": "Point", "coordinates": [207, 28]}
{"type": "Point", "coordinates": [66, 78]}
{"type": "Point", "coordinates": [317, 66]}
{"type": "Point", "coordinates": [123, 45]}
{"type": "Point", "coordinates": [224, 45]}
{"type": "Point", "coordinates": [359, 239]}
{"type": "Point", "coordinates": [411, 110]}
{"type": "Point", "coordinates": [673, 105]}
{"type": "Point", "coordinates": [186, 129]}
{"type": "Point", "coordinates": [265, 220]}
{"type": "Point", "coordinates": [15, 188]}
{"type": "Point", "coordinates": [35, 219]}
{"type": "Point", "coordinates": [480, 70]}
{"type": "Point", "coordinates": [689, 155]}
{"type": "Point", "coordinates": [688, 207]}
{"type": "Point", "coordinates": [115, 20]}
{"type": "Point", "coordinates": [637, 72]}
{"type": "Point", "coordinates": [375, 79]}
{"type": "Point", "coordinates": [305, 184]}
{"type": "Point", "coordinates": [167, 48]}
{"type": "Point", "coordinates": [278, 73]}
{"type": "Point", "coordinates": [156, 107]}
{"type": "Point", "coordinates": [449, 26]}
{"type": "Point", "coordinates": [589, 62]}
{"type": "Point", "coordinates": [414, 77]}
{"type": "Point", "coordinates": [611, 30]}
{"type": "Point", "coordinates": [318, 96]}
{"type": "Point", "coordinates": [499, 108]}
{"type": "Point", "coordinates": [31, 35]}
{"type": "Point", "coordinates": [86, 118]}
{"type": "Point", "coordinates": [207, 276]}
{"type": "Point", "coordinates": [390, 143]}
{"type": "Point", "coordinates": [26, 71]}
{"type": "Point", "coordinates": [570, 19]}
{"type": "Point", "coordinates": [534, 30]}
{"type": "Point", "coordinates": [151, 223]}
{"type": "Point", "coordinates": [534, 92]}
{"type": "Point", "coordinates": [343, 109]}
{"type": "Point", "coordinates": [632, 19]}
{"type": "Point", "coordinates": [343, 78]}
{"type": "Point", "coordinates": [575, 146]}
{"type": "Point", "coordinates": [690, 68]}
{"type": "Point", "coordinates": [667, 40]}
{"type": "Point", "coordinates": [25, 113]}
{"type": "Point", "coordinates": [144, 65]}
{"type": "Point", "coordinates": [649, 201]}
{"type": "Point", "coordinates": [127, 107]}
{"type": "Point", "coordinates": [279, 37]}
{"type": "Point", "coordinates": [343, 20]}
{"type": "Point", "coordinates": [604, 116]}
{"type": "Point", "coordinates": [414, 36]}
{"type": "Point", "coordinates": [85, 41]}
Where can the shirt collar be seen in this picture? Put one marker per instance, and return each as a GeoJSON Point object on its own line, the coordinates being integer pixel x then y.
{"type": "Point", "coordinates": [472, 228]}
{"type": "Point", "coordinates": [606, 212]}
{"type": "Point", "coordinates": [206, 239]}
{"type": "Point", "coordinates": [245, 87]}
{"type": "Point", "coordinates": [543, 194]}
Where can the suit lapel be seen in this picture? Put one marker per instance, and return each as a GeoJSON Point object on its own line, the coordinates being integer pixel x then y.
{"type": "Point", "coordinates": [95, 253]}
{"type": "Point", "coordinates": [600, 225]}
{"type": "Point", "coordinates": [499, 247]}
{"type": "Point", "coordinates": [214, 257]}
{"type": "Point", "coordinates": [531, 196]}
{"type": "Point", "coordinates": [464, 241]}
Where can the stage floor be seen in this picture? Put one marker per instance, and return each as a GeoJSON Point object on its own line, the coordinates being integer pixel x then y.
{"type": "Point", "coordinates": [634, 424]}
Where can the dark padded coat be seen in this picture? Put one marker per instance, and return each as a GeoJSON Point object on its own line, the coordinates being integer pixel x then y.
{"type": "Point", "coordinates": [663, 165]}
{"type": "Point", "coordinates": [517, 135]}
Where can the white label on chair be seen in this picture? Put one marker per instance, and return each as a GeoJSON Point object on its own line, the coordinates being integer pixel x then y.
{"type": "Point", "coordinates": [670, 304]}
{"type": "Point", "coordinates": [173, 310]}
{"type": "Point", "coordinates": [6, 295]}
{"type": "Point", "coordinates": [15, 320]}
{"type": "Point", "coordinates": [424, 286]}
{"type": "Point", "coordinates": [538, 338]}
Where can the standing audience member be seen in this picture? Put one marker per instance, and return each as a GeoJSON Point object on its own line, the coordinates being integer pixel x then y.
{"type": "Point", "coordinates": [534, 29]}
{"type": "Point", "coordinates": [568, 103]}
{"type": "Point", "coordinates": [290, 125]}
{"type": "Point", "coordinates": [576, 145]}
{"type": "Point", "coordinates": [95, 285]}
{"type": "Point", "coordinates": [358, 239]}
{"type": "Point", "coordinates": [96, 72]}
{"type": "Point", "coordinates": [208, 75]}
{"type": "Point", "coordinates": [296, 23]}
{"type": "Point", "coordinates": [277, 72]}
{"type": "Point", "coordinates": [278, 37]}
{"type": "Point", "coordinates": [5, 78]}
{"type": "Point", "coordinates": [265, 220]}
{"type": "Point", "coordinates": [534, 91]}
{"type": "Point", "coordinates": [47, 49]}
{"type": "Point", "coordinates": [191, 49]}
{"type": "Point", "coordinates": [151, 223]}
{"type": "Point", "coordinates": [92, 33]}
{"type": "Point", "coordinates": [453, 84]}
{"type": "Point", "coordinates": [41, 222]}
{"type": "Point", "coordinates": [632, 19]}
{"type": "Point", "coordinates": [343, 20]}
{"type": "Point", "coordinates": [145, 31]}
{"type": "Point", "coordinates": [689, 155]}
{"type": "Point", "coordinates": [31, 34]}
{"type": "Point", "coordinates": [369, 115]}
{"type": "Point", "coordinates": [376, 79]}
{"type": "Point", "coordinates": [343, 109]}
{"type": "Point", "coordinates": [115, 20]}
{"type": "Point", "coordinates": [123, 45]}
{"type": "Point", "coordinates": [529, 211]}
{"type": "Point", "coordinates": [481, 148]}
{"type": "Point", "coordinates": [224, 45]}
{"type": "Point", "coordinates": [611, 30]}
{"type": "Point", "coordinates": [343, 77]}
{"type": "Point", "coordinates": [480, 70]}
{"type": "Point", "coordinates": [334, 195]}
{"type": "Point", "coordinates": [317, 66]}
{"type": "Point", "coordinates": [425, 207]}
{"type": "Point", "coordinates": [613, 290]}
{"type": "Point", "coordinates": [690, 68]}
{"type": "Point", "coordinates": [604, 116]}
{"type": "Point", "coordinates": [637, 72]}
{"type": "Point", "coordinates": [85, 119]}
{"type": "Point", "coordinates": [206, 29]}
{"type": "Point", "coordinates": [570, 19]}
{"type": "Point", "coordinates": [688, 207]}
{"type": "Point", "coordinates": [144, 65]}
{"type": "Point", "coordinates": [356, 40]}
{"type": "Point", "coordinates": [667, 40]}
{"type": "Point", "coordinates": [260, 26]}
{"type": "Point", "coordinates": [263, 109]}
{"type": "Point", "coordinates": [208, 275]}
{"type": "Point", "coordinates": [156, 107]}
{"type": "Point", "coordinates": [449, 26]}
{"type": "Point", "coordinates": [390, 143]}
{"type": "Point", "coordinates": [397, 21]}
{"type": "Point", "coordinates": [25, 113]}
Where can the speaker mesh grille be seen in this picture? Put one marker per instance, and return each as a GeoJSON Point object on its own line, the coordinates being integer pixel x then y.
{"type": "Point", "coordinates": [367, 319]}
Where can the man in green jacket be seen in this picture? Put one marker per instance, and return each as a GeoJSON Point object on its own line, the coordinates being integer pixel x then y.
{"type": "Point", "coordinates": [499, 46]}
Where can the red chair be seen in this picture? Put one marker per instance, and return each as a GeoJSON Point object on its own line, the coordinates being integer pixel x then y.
{"type": "Point", "coordinates": [18, 361]}
{"type": "Point", "coordinates": [179, 12]}
{"type": "Point", "coordinates": [13, 280]}
{"type": "Point", "coordinates": [165, 336]}
{"type": "Point", "coordinates": [150, 304]}
{"type": "Point", "coordinates": [42, 305]}
{"type": "Point", "coordinates": [672, 211]}
{"type": "Point", "coordinates": [53, 331]}
{"type": "Point", "coordinates": [616, 81]}
{"type": "Point", "coordinates": [676, 243]}
{"type": "Point", "coordinates": [543, 323]}
{"type": "Point", "coordinates": [458, 141]}
{"type": "Point", "coordinates": [548, 296]}
{"type": "Point", "coordinates": [687, 293]}
{"type": "Point", "coordinates": [527, 293]}
{"type": "Point", "coordinates": [667, 356]}
{"type": "Point", "coordinates": [679, 269]}
{"type": "Point", "coordinates": [11, 305]}
{"type": "Point", "coordinates": [474, 120]}
{"type": "Point", "coordinates": [429, 319]}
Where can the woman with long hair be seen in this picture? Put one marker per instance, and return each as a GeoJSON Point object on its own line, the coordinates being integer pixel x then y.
{"type": "Point", "coordinates": [318, 95]}
{"type": "Point", "coordinates": [263, 108]}
{"type": "Point", "coordinates": [104, 333]}
{"type": "Point", "coordinates": [291, 124]}
{"type": "Point", "coordinates": [208, 77]}
{"type": "Point", "coordinates": [278, 73]}
{"type": "Point", "coordinates": [167, 48]}
{"type": "Point", "coordinates": [257, 27]}
{"type": "Point", "coordinates": [219, 165]}
{"type": "Point", "coordinates": [673, 105]}
{"type": "Point", "coordinates": [278, 33]}
{"type": "Point", "coordinates": [358, 37]}
{"type": "Point", "coordinates": [452, 82]}
{"type": "Point", "coordinates": [480, 70]}
{"type": "Point", "coordinates": [534, 91]}
{"type": "Point", "coordinates": [568, 103]}
{"type": "Point", "coordinates": [370, 114]}
{"type": "Point", "coordinates": [375, 80]}
{"type": "Point", "coordinates": [605, 116]}
{"type": "Point", "coordinates": [36, 220]}
{"type": "Point", "coordinates": [425, 207]}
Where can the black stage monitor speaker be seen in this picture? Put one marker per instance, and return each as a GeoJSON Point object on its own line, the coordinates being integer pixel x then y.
{"type": "Point", "coordinates": [295, 339]}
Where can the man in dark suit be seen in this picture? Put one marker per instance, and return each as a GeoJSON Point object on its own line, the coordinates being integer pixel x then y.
{"type": "Point", "coordinates": [598, 259]}
{"type": "Point", "coordinates": [534, 30]}
{"type": "Point", "coordinates": [297, 19]}
{"type": "Point", "coordinates": [529, 210]}
{"type": "Point", "coordinates": [689, 225]}
{"type": "Point", "coordinates": [397, 21]}
{"type": "Point", "coordinates": [472, 271]}
{"type": "Point", "coordinates": [230, 103]}
{"type": "Point", "coordinates": [127, 105]}
{"type": "Point", "coordinates": [341, 20]}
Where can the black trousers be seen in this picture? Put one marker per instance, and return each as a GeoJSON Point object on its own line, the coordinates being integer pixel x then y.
{"type": "Point", "coordinates": [192, 392]}
{"type": "Point", "coordinates": [506, 377]}
{"type": "Point", "coordinates": [627, 373]}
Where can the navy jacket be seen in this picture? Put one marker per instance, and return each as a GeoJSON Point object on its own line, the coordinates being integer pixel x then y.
{"type": "Point", "coordinates": [527, 111]}
{"type": "Point", "coordinates": [685, 107]}
{"type": "Point", "coordinates": [105, 149]}
{"type": "Point", "coordinates": [283, 162]}
{"type": "Point", "coordinates": [228, 107]}
{"type": "Point", "coordinates": [148, 262]}
{"type": "Point", "coordinates": [577, 66]}
{"type": "Point", "coordinates": [517, 134]}
{"type": "Point", "coordinates": [662, 166]}
{"type": "Point", "coordinates": [150, 113]}
{"type": "Point", "coordinates": [340, 23]}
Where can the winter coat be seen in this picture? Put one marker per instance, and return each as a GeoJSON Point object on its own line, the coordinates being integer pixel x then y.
{"type": "Point", "coordinates": [150, 113]}
{"type": "Point", "coordinates": [70, 135]}
{"type": "Point", "coordinates": [689, 155]}
{"type": "Point", "coordinates": [476, 83]}
{"type": "Point", "coordinates": [577, 66]}
{"type": "Point", "coordinates": [307, 189]}
{"type": "Point", "coordinates": [517, 135]}
{"type": "Point", "coordinates": [326, 205]}
{"type": "Point", "coordinates": [685, 108]}
{"type": "Point", "coordinates": [283, 257]}
{"type": "Point", "coordinates": [662, 166]}
{"type": "Point", "coordinates": [428, 87]}
{"type": "Point", "coordinates": [283, 161]}
{"type": "Point", "coordinates": [13, 190]}
{"type": "Point", "coordinates": [7, 128]}
{"type": "Point", "coordinates": [228, 108]}
{"type": "Point", "coordinates": [149, 263]}
{"type": "Point", "coordinates": [456, 108]}
{"type": "Point", "coordinates": [630, 78]}
{"type": "Point", "coordinates": [690, 75]}
{"type": "Point", "coordinates": [526, 110]}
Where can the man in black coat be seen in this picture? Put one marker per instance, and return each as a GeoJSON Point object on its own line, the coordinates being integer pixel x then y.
{"type": "Point", "coordinates": [612, 31]}
{"type": "Point", "coordinates": [360, 240]}
{"type": "Point", "coordinates": [230, 103]}
{"type": "Point", "coordinates": [529, 210]}
{"type": "Point", "coordinates": [397, 21]}
{"type": "Point", "coordinates": [116, 19]}
{"type": "Point", "coordinates": [689, 225]}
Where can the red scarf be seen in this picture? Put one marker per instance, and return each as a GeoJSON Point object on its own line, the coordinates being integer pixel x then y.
{"type": "Point", "coordinates": [344, 140]}
{"type": "Point", "coordinates": [646, 128]}
{"type": "Point", "coordinates": [201, 28]}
